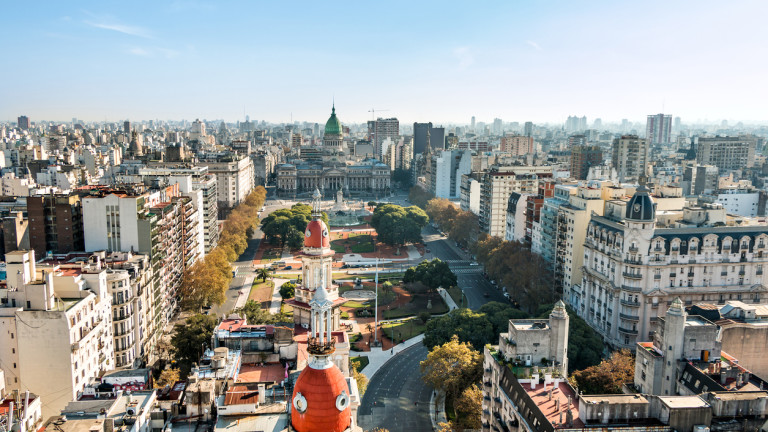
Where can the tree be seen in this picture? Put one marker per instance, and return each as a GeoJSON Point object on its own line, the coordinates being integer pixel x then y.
{"type": "Point", "coordinates": [452, 368]}
{"type": "Point", "coordinates": [608, 376]}
{"type": "Point", "coordinates": [396, 225]}
{"type": "Point", "coordinates": [386, 287]}
{"type": "Point", "coordinates": [499, 314]}
{"type": "Point", "coordinates": [190, 338]}
{"type": "Point", "coordinates": [168, 377]}
{"type": "Point", "coordinates": [287, 290]}
{"type": "Point", "coordinates": [362, 380]}
{"type": "Point", "coordinates": [419, 196]}
{"type": "Point", "coordinates": [403, 177]}
{"type": "Point", "coordinates": [254, 314]}
{"type": "Point", "coordinates": [424, 316]}
{"type": "Point", "coordinates": [468, 326]}
{"type": "Point", "coordinates": [433, 274]}
{"type": "Point", "coordinates": [203, 284]}
{"type": "Point", "coordinates": [287, 226]}
{"type": "Point", "coordinates": [263, 274]}
{"type": "Point", "coordinates": [469, 407]}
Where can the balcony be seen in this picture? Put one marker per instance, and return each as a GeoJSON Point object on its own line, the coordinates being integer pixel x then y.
{"type": "Point", "coordinates": [629, 303]}
{"type": "Point", "coordinates": [725, 273]}
{"type": "Point", "coordinates": [629, 317]}
{"type": "Point", "coordinates": [633, 261]}
{"type": "Point", "coordinates": [690, 274]}
{"type": "Point", "coordinates": [631, 288]}
{"type": "Point", "coordinates": [627, 331]}
{"type": "Point", "coordinates": [633, 249]}
{"type": "Point", "coordinates": [758, 272]}
{"type": "Point", "coordinates": [672, 274]}
{"type": "Point", "coordinates": [636, 276]}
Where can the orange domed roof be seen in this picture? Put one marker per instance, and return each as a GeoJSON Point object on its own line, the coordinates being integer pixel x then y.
{"type": "Point", "coordinates": [321, 401]}
{"type": "Point", "coordinates": [317, 235]}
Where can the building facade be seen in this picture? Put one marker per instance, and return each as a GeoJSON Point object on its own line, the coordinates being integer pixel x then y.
{"type": "Point", "coordinates": [726, 153]}
{"type": "Point", "coordinates": [658, 129]}
{"type": "Point", "coordinates": [583, 158]}
{"type": "Point", "coordinates": [496, 186]}
{"type": "Point", "coordinates": [369, 177]}
{"type": "Point", "coordinates": [630, 157]}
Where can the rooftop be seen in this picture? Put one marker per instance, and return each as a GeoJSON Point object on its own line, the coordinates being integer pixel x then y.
{"type": "Point", "coordinates": [550, 408]}
{"type": "Point", "coordinates": [677, 402]}
{"type": "Point", "coordinates": [268, 373]}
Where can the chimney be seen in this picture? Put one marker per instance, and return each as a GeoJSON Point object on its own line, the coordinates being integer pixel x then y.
{"type": "Point", "coordinates": [262, 394]}
{"type": "Point", "coordinates": [722, 377]}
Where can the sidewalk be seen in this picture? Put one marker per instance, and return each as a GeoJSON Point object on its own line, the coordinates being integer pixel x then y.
{"type": "Point", "coordinates": [245, 290]}
{"type": "Point", "coordinates": [377, 357]}
{"type": "Point", "coordinates": [274, 306]}
{"type": "Point", "coordinates": [437, 414]}
{"type": "Point", "coordinates": [447, 298]}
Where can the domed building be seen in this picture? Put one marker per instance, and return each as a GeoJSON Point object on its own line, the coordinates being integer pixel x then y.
{"type": "Point", "coordinates": [333, 138]}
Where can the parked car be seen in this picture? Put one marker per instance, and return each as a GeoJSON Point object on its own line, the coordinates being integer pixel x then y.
{"type": "Point", "coordinates": [288, 268]}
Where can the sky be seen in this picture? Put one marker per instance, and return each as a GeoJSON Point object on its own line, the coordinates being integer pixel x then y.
{"type": "Point", "coordinates": [438, 61]}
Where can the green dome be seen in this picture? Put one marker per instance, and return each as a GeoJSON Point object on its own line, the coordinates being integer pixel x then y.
{"type": "Point", "coordinates": [333, 125]}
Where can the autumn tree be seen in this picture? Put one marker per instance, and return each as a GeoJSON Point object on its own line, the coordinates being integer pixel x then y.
{"type": "Point", "coordinates": [442, 212]}
{"type": "Point", "coordinates": [469, 407]}
{"type": "Point", "coordinates": [204, 284]}
{"type": "Point", "coordinates": [189, 339]}
{"type": "Point", "coordinates": [433, 274]}
{"type": "Point", "coordinates": [452, 368]}
{"type": "Point", "coordinates": [168, 377]}
{"type": "Point", "coordinates": [360, 378]}
{"type": "Point", "coordinates": [607, 377]}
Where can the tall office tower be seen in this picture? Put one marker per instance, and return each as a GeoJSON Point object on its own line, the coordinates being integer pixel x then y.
{"type": "Point", "coordinates": [582, 158]}
{"type": "Point", "coordinates": [127, 127]}
{"type": "Point", "coordinates": [436, 137]}
{"type": "Point", "coordinates": [727, 153]}
{"type": "Point", "coordinates": [528, 129]}
{"type": "Point", "coordinates": [630, 157]}
{"type": "Point", "coordinates": [473, 123]}
{"type": "Point", "coordinates": [381, 129]}
{"type": "Point", "coordinates": [658, 129]}
{"type": "Point", "coordinates": [497, 126]}
{"type": "Point", "coordinates": [23, 122]}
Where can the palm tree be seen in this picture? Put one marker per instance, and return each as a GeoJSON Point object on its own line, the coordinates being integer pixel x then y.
{"type": "Point", "coordinates": [263, 274]}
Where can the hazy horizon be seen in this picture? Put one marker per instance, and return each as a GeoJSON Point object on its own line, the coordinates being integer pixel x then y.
{"type": "Point", "coordinates": [429, 61]}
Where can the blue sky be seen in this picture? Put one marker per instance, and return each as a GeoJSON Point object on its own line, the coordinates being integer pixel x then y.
{"type": "Point", "coordinates": [423, 61]}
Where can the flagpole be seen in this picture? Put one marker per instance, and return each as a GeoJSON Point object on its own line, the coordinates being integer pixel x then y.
{"type": "Point", "coordinates": [376, 308]}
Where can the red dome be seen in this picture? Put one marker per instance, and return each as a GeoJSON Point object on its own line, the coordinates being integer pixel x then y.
{"type": "Point", "coordinates": [317, 235]}
{"type": "Point", "coordinates": [323, 391]}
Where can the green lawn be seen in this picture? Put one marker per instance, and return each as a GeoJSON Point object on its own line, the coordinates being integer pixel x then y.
{"type": "Point", "coordinates": [272, 254]}
{"type": "Point", "coordinates": [356, 304]}
{"type": "Point", "coordinates": [338, 248]}
{"type": "Point", "coordinates": [358, 243]}
{"type": "Point", "coordinates": [404, 329]}
{"type": "Point", "coordinates": [455, 293]}
{"type": "Point", "coordinates": [416, 305]}
{"type": "Point", "coordinates": [360, 360]}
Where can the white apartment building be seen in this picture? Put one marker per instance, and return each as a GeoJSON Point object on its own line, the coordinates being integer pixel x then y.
{"type": "Point", "coordinates": [446, 169]}
{"type": "Point", "coordinates": [496, 186]}
{"type": "Point", "coordinates": [55, 329]}
{"type": "Point", "coordinates": [736, 201]}
{"type": "Point", "coordinates": [470, 193]}
{"type": "Point", "coordinates": [637, 259]}
{"type": "Point", "coordinates": [516, 208]}
{"type": "Point", "coordinates": [234, 178]}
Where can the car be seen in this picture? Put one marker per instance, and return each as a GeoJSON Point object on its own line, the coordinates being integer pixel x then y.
{"type": "Point", "coordinates": [345, 266]}
{"type": "Point", "coordinates": [288, 268]}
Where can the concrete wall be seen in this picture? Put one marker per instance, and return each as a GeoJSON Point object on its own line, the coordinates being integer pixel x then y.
{"type": "Point", "coordinates": [747, 343]}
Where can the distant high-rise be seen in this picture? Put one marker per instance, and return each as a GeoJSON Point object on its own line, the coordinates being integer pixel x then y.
{"type": "Point", "coordinates": [23, 122]}
{"type": "Point", "coordinates": [597, 124]}
{"type": "Point", "coordinates": [127, 127]}
{"type": "Point", "coordinates": [381, 129]}
{"type": "Point", "coordinates": [677, 125]}
{"type": "Point", "coordinates": [575, 124]}
{"type": "Point", "coordinates": [436, 137]}
{"type": "Point", "coordinates": [473, 123]}
{"type": "Point", "coordinates": [528, 129]}
{"type": "Point", "coordinates": [630, 157]}
{"type": "Point", "coordinates": [582, 158]}
{"type": "Point", "coordinates": [497, 126]}
{"type": "Point", "coordinates": [658, 129]}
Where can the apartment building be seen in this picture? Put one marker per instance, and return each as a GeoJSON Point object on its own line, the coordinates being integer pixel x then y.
{"type": "Point", "coordinates": [726, 153]}
{"type": "Point", "coordinates": [55, 223]}
{"type": "Point", "coordinates": [517, 145]}
{"type": "Point", "coordinates": [638, 258]}
{"type": "Point", "coordinates": [234, 178]}
{"type": "Point", "coordinates": [55, 328]}
{"type": "Point", "coordinates": [516, 209]}
{"type": "Point", "coordinates": [495, 187]}
{"type": "Point", "coordinates": [445, 171]}
{"type": "Point", "coordinates": [630, 157]}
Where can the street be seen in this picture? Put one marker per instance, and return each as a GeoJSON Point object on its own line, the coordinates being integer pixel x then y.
{"type": "Point", "coordinates": [396, 388]}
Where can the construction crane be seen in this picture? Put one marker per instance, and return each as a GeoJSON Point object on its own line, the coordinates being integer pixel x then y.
{"type": "Point", "coordinates": [373, 113]}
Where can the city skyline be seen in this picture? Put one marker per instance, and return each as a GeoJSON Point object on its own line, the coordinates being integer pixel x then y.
{"type": "Point", "coordinates": [428, 62]}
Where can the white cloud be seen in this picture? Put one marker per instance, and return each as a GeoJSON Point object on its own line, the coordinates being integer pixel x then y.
{"type": "Point", "coordinates": [533, 44]}
{"type": "Point", "coordinates": [139, 52]}
{"type": "Point", "coordinates": [109, 23]}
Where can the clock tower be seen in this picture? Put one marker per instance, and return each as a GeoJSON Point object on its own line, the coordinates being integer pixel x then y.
{"type": "Point", "coordinates": [316, 271]}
